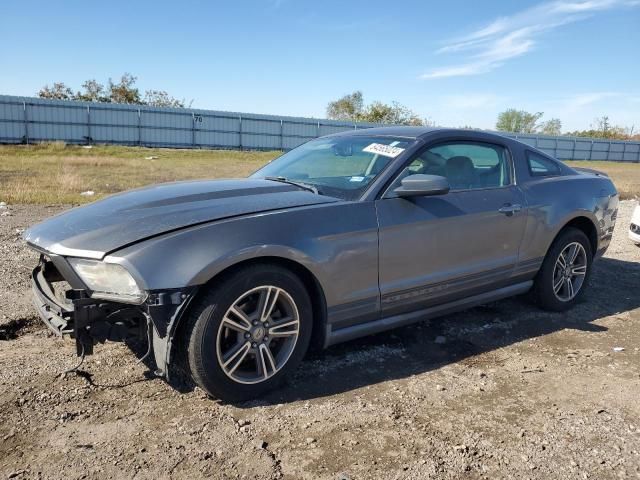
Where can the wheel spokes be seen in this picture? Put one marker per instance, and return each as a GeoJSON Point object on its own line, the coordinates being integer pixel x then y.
{"type": "Point", "coordinates": [284, 329]}
{"type": "Point", "coordinates": [236, 356]}
{"type": "Point", "coordinates": [246, 351]}
{"type": "Point", "coordinates": [268, 299]}
{"type": "Point", "coordinates": [570, 289]}
{"type": "Point", "coordinates": [558, 285]}
{"type": "Point", "coordinates": [241, 323]}
{"type": "Point", "coordinates": [243, 320]}
{"type": "Point", "coordinates": [573, 253]}
{"type": "Point", "coordinates": [579, 270]}
{"type": "Point", "coordinates": [569, 271]}
{"type": "Point", "coordinates": [267, 364]}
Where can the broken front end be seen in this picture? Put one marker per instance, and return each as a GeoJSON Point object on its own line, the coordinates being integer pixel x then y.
{"type": "Point", "coordinates": [93, 301]}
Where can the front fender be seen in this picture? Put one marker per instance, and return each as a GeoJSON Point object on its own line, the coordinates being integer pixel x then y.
{"type": "Point", "coordinates": [337, 243]}
{"type": "Point", "coordinates": [220, 264]}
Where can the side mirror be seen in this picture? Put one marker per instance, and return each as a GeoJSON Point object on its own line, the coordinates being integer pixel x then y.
{"type": "Point", "coordinates": [420, 185]}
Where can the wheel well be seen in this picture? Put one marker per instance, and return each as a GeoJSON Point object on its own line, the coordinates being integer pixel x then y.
{"type": "Point", "coordinates": [588, 228]}
{"type": "Point", "coordinates": [316, 294]}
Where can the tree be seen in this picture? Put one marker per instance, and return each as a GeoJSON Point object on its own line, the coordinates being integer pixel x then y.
{"type": "Point", "coordinates": [93, 92]}
{"type": "Point", "coordinates": [160, 98]}
{"type": "Point", "coordinates": [602, 128]}
{"type": "Point", "coordinates": [551, 127]}
{"type": "Point", "coordinates": [351, 107]}
{"type": "Point", "coordinates": [59, 91]}
{"type": "Point", "coordinates": [124, 91]}
{"type": "Point", "coordinates": [601, 124]}
{"type": "Point", "coordinates": [518, 121]}
{"type": "Point", "coordinates": [395, 113]}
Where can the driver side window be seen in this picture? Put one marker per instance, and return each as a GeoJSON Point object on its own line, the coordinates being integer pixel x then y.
{"type": "Point", "coordinates": [466, 165]}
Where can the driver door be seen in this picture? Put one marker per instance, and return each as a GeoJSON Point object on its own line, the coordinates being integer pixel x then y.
{"type": "Point", "coordinates": [436, 249]}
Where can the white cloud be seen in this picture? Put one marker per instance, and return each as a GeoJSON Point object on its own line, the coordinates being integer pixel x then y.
{"type": "Point", "coordinates": [509, 37]}
{"type": "Point", "coordinates": [581, 100]}
{"type": "Point", "coordinates": [577, 110]}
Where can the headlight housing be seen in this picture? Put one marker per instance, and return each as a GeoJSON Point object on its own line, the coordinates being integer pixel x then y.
{"type": "Point", "coordinates": [108, 281]}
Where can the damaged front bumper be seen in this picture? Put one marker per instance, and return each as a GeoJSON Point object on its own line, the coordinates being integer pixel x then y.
{"type": "Point", "coordinates": [72, 312]}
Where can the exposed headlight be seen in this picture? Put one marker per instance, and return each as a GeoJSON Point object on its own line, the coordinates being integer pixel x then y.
{"type": "Point", "coordinates": [108, 281]}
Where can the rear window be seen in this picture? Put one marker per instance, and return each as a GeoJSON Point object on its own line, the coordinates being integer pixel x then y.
{"type": "Point", "coordinates": [540, 166]}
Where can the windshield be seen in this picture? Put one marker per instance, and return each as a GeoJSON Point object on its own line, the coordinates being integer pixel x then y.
{"type": "Point", "coordinates": [342, 167]}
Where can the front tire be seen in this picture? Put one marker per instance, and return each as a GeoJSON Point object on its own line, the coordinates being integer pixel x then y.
{"type": "Point", "coordinates": [248, 332]}
{"type": "Point", "coordinates": [564, 275]}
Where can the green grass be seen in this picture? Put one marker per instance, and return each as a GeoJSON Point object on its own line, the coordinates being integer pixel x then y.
{"type": "Point", "coordinates": [54, 173]}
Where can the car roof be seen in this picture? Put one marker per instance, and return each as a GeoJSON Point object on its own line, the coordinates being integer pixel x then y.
{"type": "Point", "coordinates": [399, 131]}
{"type": "Point", "coordinates": [416, 132]}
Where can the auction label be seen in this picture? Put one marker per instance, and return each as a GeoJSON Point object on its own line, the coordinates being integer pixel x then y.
{"type": "Point", "coordinates": [384, 150]}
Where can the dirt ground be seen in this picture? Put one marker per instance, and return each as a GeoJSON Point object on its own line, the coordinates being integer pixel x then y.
{"type": "Point", "coordinates": [500, 391]}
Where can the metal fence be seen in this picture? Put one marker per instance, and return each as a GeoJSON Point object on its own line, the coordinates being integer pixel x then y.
{"type": "Point", "coordinates": [32, 120]}
{"type": "Point", "coordinates": [582, 148]}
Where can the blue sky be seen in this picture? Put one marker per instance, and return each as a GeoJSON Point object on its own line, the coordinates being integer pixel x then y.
{"type": "Point", "coordinates": [455, 62]}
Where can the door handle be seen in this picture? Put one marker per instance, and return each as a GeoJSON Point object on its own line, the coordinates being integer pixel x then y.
{"type": "Point", "coordinates": [509, 209]}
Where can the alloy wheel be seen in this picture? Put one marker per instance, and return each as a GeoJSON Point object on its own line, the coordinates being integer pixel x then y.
{"type": "Point", "coordinates": [569, 271]}
{"type": "Point", "coordinates": [257, 334]}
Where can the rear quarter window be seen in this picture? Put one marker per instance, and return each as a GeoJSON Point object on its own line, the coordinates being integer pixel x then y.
{"type": "Point", "coordinates": [540, 166]}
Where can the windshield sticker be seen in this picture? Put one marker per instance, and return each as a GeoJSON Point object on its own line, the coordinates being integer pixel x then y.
{"type": "Point", "coordinates": [384, 150]}
{"type": "Point", "coordinates": [356, 179]}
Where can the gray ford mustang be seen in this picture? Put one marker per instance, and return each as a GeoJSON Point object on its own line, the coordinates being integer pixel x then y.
{"type": "Point", "coordinates": [347, 235]}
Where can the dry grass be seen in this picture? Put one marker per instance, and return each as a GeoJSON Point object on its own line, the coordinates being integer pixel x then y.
{"type": "Point", "coordinates": [54, 173]}
{"type": "Point", "coordinates": [625, 176]}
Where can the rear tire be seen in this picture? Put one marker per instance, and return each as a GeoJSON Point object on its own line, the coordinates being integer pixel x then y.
{"type": "Point", "coordinates": [248, 332]}
{"type": "Point", "coordinates": [565, 271]}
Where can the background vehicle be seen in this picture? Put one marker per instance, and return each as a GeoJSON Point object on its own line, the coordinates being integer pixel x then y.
{"type": "Point", "coordinates": [634, 228]}
{"type": "Point", "coordinates": [344, 236]}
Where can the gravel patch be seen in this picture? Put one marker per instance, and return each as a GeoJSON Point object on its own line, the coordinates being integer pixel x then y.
{"type": "Point", "coordinates": [499, 391]}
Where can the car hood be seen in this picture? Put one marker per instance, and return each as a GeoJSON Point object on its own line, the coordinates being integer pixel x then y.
{"type": "Point", "coordinates": [96, 229]}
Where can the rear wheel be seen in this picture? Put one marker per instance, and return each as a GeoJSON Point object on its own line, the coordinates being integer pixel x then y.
{"type": "Point", "coordinates": [249, 332]}
{"type": "Point", "coordinates": [565, 271]}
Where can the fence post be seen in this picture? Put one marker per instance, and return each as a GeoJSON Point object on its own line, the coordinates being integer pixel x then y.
{"type": "Point", "coordinates": [608, 150]}
{"type": "Point", "coordinates": [318, 130]}
{"type": "Point", "coordinates": [355, 126]}
{"type": "Point", "coordinates": [591, 151]}
{"type": "Point", "coordinates": [139, 127]}
{"type": "Point", "coordinates": [89, 139]}
{"type": "Point", "coordinates": [281, 135]}
{"type": "Point", "coordinates": [573, 154]}
{"type": "Point", "coordinates": [624, 150]}
{"type": "Point", "coordinates": [26, 123]}
{"type": "Point", "coordinates": [193, 129]}
{"type": "Point", "coordinates": [240, 131]}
